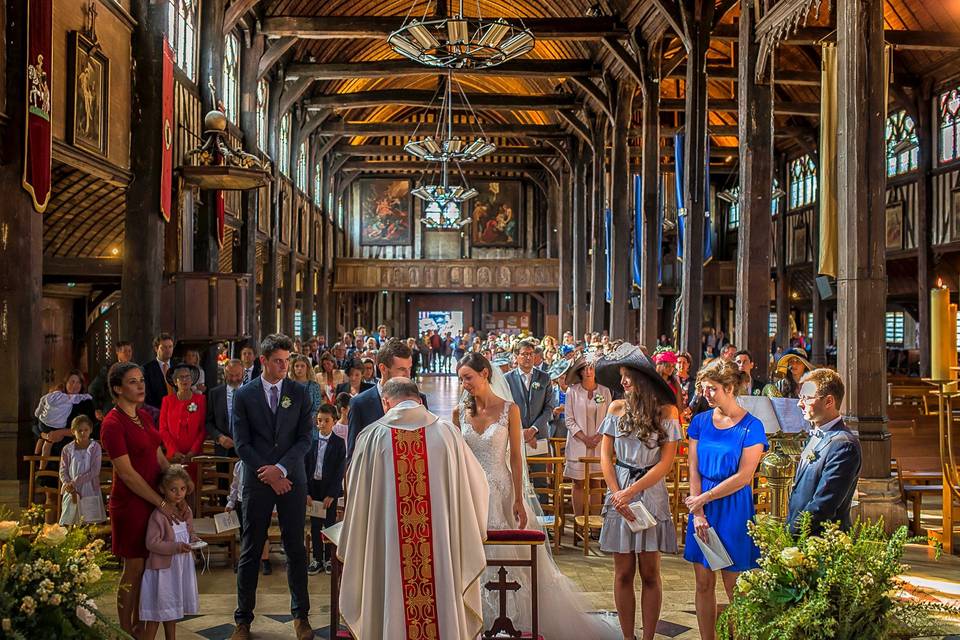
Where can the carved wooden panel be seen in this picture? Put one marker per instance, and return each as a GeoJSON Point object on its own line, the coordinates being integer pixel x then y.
{"type": "Point", "coordinates": [449, 275]}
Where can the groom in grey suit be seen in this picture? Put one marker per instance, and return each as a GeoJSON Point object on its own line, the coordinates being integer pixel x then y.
{"type": "Point", "coordinates": [532, 392]}
{"type": "Point", "coordinates": [272, 430]}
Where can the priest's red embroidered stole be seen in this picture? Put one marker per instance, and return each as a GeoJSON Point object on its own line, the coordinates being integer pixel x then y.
{"type": "Point", "coordinates": [415, 534]}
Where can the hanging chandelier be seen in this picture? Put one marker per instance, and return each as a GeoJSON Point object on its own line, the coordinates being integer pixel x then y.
{"type": "Point", "coordinates": [461, 42]}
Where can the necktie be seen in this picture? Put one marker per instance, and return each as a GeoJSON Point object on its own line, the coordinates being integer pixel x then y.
{"type": "Point", "coordinates": [246, 376]}
{"type": "Point", "coordinates": [274, 398]}
{"type": "Point", "coordinates": [164, 367]}
{"type": "Point", "coordinates": [230, 409]}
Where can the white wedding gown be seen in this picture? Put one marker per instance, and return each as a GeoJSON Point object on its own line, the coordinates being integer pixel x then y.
{"type": "Point", "coordinates": [562, 608]}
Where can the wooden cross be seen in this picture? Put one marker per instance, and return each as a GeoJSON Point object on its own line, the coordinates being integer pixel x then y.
{"type": "Point", "coordinates": [502, 624]}
{"type": "Point", "coordinates": [90, 21]}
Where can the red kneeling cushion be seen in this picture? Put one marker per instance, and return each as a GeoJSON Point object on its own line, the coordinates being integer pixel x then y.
{"type": "Point", "coordinates": [518, 536]}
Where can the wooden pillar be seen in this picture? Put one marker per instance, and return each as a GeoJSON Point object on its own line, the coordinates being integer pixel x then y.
{"type": "Point", "coordinates": [309, 306]}
{"type": "Point", "coordinates": [21, 276]}
{"type": "Point", "coordinates": [782, 300]}
{"type": "Point", "coordinates": [755, 120]}
{"type": "Point", "coordinates": [250, 200]}
{"type": "Point", "coordinates": [650, 203]}
{"type": "Point", "coordinates": [861, 279]}
{"type": "Point", "coordinates": [581, 161]}
{"type": "Point", "coordinates": [269, 294]}
{"type": "Point", "coordinates": [142, 275]}
{"type": "Point", "coordinates": [564, 217]}
{"type": "Point", "coordinates": [925, 135]}
{"type": "Point", "coordinates": [598, 264]}
{"type": "Point", "coordinates": [694, 178]}
{"type": "Point", "coordinates": [621, 277]}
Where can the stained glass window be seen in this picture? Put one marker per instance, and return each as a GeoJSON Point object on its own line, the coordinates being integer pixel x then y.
{"type": "Point", "coordinates": [803, 181]}
{"type": "Point", "coordinates": [433, 220]}
{"type": "Point", "coordinates": [283, 162]}
{"type": "Point", "coordinates": [263, 90]}
{"type": "Point", "coordinates": [894, 327]}
{"type": "Point", "coordinates": [182, 32]}
{"type": "Point", "coordinates": [301, 174]}
{"type": "Point", "coordinates": [231, 78]}
{"type": "Point", "coordinates": [772, 324]}
{"type": "Point", "coordinates": [317, 185]}
{"type": "Point", "coordinates": [733, 213]}
{"type": "Point", "coordinates": [950, 125]}
{"type": "Point", "coordinates": [903, 148]}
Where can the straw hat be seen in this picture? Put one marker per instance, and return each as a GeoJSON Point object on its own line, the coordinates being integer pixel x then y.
{"type": "Point", "coordinates": [783, 364]}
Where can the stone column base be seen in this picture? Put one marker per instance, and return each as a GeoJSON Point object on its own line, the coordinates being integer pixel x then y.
{"type": "Point", "coordinates": [880, 498]}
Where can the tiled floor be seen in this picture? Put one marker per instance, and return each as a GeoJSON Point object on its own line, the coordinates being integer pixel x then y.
{"type": "Point", "coordinates": [593, 574]}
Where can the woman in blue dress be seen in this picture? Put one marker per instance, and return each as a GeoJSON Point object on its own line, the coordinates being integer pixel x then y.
{"type": "Point", "coordinates": [726, 444]}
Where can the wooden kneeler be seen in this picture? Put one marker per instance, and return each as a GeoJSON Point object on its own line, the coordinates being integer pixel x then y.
{"type": "Point", "coordinates": [531, 539]}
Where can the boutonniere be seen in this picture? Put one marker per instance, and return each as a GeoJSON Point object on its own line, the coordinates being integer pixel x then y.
{"type": "Point", "coordinates": [192, 407]}
{"type": "Point", "coordinates": [285, 402]}
{"type": "Point", "coordinates": [599, 399]}
{"type": "Point", "coordinates": [535, 385]}
{"type": "Point", "coordinates": [811, 456]}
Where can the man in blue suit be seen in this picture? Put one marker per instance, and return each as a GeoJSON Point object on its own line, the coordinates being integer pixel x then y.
{"type": "Point", "coordinates": [830, 462]}
{"type": "Point", "coordinates": [532, 392]}
{"type": "Point", "coordinates": [394, 360]}
{"type": "Point", "coordinates": [272, 431]}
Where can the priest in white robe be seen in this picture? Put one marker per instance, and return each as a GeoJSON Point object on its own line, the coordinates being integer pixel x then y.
{"type": "Point", "coordinates": [414, 527]}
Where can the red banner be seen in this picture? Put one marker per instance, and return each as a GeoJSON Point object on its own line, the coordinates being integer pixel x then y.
{"type": "Point", "coordinates": [38, 132]}
{"type": "Point", "coordinates": [221, 209]}
{"type": "Point", "coordinates": [166, 159]}
{"type": "Point", "coordinates": [415, 531]}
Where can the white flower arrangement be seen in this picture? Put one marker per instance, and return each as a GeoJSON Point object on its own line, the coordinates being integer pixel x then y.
{"type": "Point", "coordinates": [599, 399]}
{"type": "Point", "coordinates": [285, 402]}
{"type": "Point", "coordinates": [535, 385]}
{"type": "Point", "coordinates": [811, 456]}
{"type": "Point", "coordinates": [192, 407]}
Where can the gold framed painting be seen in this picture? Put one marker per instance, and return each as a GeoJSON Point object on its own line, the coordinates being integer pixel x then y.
{"type": "Point", "coordinates": [894, 226]}
{"type": "Point", "coordinates": [88, 95]}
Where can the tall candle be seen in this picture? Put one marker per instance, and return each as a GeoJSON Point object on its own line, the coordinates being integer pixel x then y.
{"type": "Point", "coordinates": [951, 341]}
{"type": "Point", "coordinates": [939, 321]}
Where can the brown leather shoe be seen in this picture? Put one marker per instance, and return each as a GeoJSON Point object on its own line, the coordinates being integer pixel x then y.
{"type": "Point", "coordinates": [242, 632]}
{"type": "Point", "coordinates": [303, 629]}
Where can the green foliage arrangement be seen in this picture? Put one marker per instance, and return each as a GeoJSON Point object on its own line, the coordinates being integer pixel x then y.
{"type": "Point", "coordinates": [49, 578]}
{"type": "Point", "coordinates": [835, 586]}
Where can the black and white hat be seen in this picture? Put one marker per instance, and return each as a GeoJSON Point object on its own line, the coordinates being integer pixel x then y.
{"type": "Point", "coordinates": [631, 356]}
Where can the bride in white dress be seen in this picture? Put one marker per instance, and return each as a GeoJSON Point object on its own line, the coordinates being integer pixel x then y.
{"type": "Point", "coordinates": [490, 424]}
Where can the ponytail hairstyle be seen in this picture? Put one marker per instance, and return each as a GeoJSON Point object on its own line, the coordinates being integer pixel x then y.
{"type": "Point", "coordinates": [724, 373]}
{"type": "Point", "coordinates": [478, 363]}
{"type": "Point", "coordinates": [642, 415]}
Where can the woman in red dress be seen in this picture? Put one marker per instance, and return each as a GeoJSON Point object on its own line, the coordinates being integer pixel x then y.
{"type": "Point", "coordinates": [133, 443]}
{"type": "Point", "coordinates": [183, 417]}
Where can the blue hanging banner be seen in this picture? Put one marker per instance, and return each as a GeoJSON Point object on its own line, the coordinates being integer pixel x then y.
{"type": "Point", "coordinates": [608, 237]}
{"type": "Point", "coordinates": [678, 158]}
{"type": "Point", "coordinates": [637, 229]}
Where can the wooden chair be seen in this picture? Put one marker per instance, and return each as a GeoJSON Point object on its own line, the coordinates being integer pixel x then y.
{"type": "Point", "coordinates": [678, 484]}
{"type": "Point", "coordinates": [550, 469]}
{"type": "Point", "coordinates": [913, 493]}
{"type": "Point", "coordinates": [590, 519]}
{"type": "Point", "coordinates": [502, 626]}
{"type": "Point", "coordinates": [209, 497]}
{"type": "Point", "coordinates": [43, 483]}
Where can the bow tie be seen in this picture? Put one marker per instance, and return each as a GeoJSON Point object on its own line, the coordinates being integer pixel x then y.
{"type": "Point", "coordinates": [816, 432]}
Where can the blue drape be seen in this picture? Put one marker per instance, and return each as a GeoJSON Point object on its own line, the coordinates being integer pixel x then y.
{"type": "Point", "coordinates": [608, 237]}
{"type": "Point", "coordinates": [678, 157]}
{"type": "Point", "coordinates": [638, 233]}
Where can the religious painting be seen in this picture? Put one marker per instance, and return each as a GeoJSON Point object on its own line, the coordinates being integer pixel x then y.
{"type": "Point", "coordinates": [496, 213]}
{"type": "Point", "coordinates": [799, 246]}
{"type": "Point", "coordinates": [386, 215]}
{"type": "Point", "coordinates": [88, 91]}
{"type": "Point", "coordinates": [894, 226]}
{"type": "Point", "coordinates": [955, 211]}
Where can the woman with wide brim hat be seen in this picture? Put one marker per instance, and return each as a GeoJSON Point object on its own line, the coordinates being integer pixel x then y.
{"type": "Point", "coordinates": [558, 376]}
{"type": "Point", "coordinates": [585, 408]}
{"type": "Point", "coordinates": [183, 417]}
{"type": "Point", "coordinates": [641, 432]}
{"type": "Point", "coordinates": [791, 366]}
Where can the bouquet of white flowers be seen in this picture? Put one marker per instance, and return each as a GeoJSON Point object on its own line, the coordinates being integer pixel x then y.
{"type": "Point", "coordinates": [835, 586]}
{"type": "Point", "coordinates": [49, 578]}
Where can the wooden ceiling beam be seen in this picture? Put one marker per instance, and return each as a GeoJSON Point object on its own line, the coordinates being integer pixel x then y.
{"type": "Point", "coordinates": [596, 93]}
{"type": "Point", "coordinates": [527, 68]}
{"type": "Point", "coordinates": [273, 54]}
{"type": "Point", "coordinates": [899, 38]}
{"type": "Point", "coordinates": [332, 27]}
{"type": "Point", "coordinates": [434, 167]}
{"type": "Point", "coordinates": [620, 53]}
{"type": "Point", "coordinates": [236, 11]}
{"type": "Point", "coordinates": [293, 91]}
{"type": "Point", "coordinates": [723, 72]}
{"type": "Point", "coordinates": [380, 129]}
{"type": "Point", "coordinates": [808, 109]}
{"type": "Point", "coordinates": [425, 97]}
{"type": "Point", "coordinates": [374, 150]}
{"type": "Point", "coordinates": [670, 10]}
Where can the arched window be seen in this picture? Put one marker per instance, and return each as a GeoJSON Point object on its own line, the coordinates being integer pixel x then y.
{"type": "Point", "coordinates": [903, 148]}
{"type": "Point", "coordinates": [301, 173]}
{"type": "Point", "coordinates": [317, 185]}
{"type": "Point", "coordinates": [803, 181]}
{"type": "Point", "coordinates": [231, 77]}
{"type": "Point", "coordinates": [263, 90]}
{"type": "Point", "coordinates": [283, 149]}
{"type": "Point", "coordinates": [433, 220]}
{"type": "Point", "coordinates": [950, 125]}
{"type": "Point", "coordinates": [182, 32]}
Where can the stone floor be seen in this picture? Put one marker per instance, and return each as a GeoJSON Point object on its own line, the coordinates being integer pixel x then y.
{"type": "Point", "coordinates": [938, 579]}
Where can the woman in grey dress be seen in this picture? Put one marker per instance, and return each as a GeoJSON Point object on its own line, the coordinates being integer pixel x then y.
{"type": "Point", "coordinates": [641, 433]}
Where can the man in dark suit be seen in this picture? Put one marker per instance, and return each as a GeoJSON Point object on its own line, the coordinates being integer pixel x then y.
{"type": "Point", "coordinates": [830, 462]}
{"type": "Point", "coordinates": [325, 482]}
{"type": "Point", "coordinates": [394, 360]}
{"type": "Point", "coordinates": [155, 371]}
{"type": "Point", "coordinates": [251, 364]}
{"type": "Point", "coordinates": [220, 409]}
{"type": "Point", "coordinates": [272, 429]}
{"type": "Point", "coordinates": [532, 392]}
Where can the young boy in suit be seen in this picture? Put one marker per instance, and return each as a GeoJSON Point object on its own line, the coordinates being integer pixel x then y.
{"type": "Point", "coordinates": [325, 466]}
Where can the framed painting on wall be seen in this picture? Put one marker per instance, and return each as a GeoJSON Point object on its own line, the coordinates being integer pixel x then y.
{"type": "Point", "coordinates": [386, 214]}
{"type": "Point", "coordinates": [894, 226]}
{"type": "Point", "coordinates": [495, 213]}
{"type": "Point", "coordinates": [799, 247]}
{"type": "Point", "coordinates": [88, 91]}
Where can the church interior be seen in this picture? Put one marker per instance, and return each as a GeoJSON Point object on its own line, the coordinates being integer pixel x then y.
{"type": "Point", "coordinates": [777, 176]}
